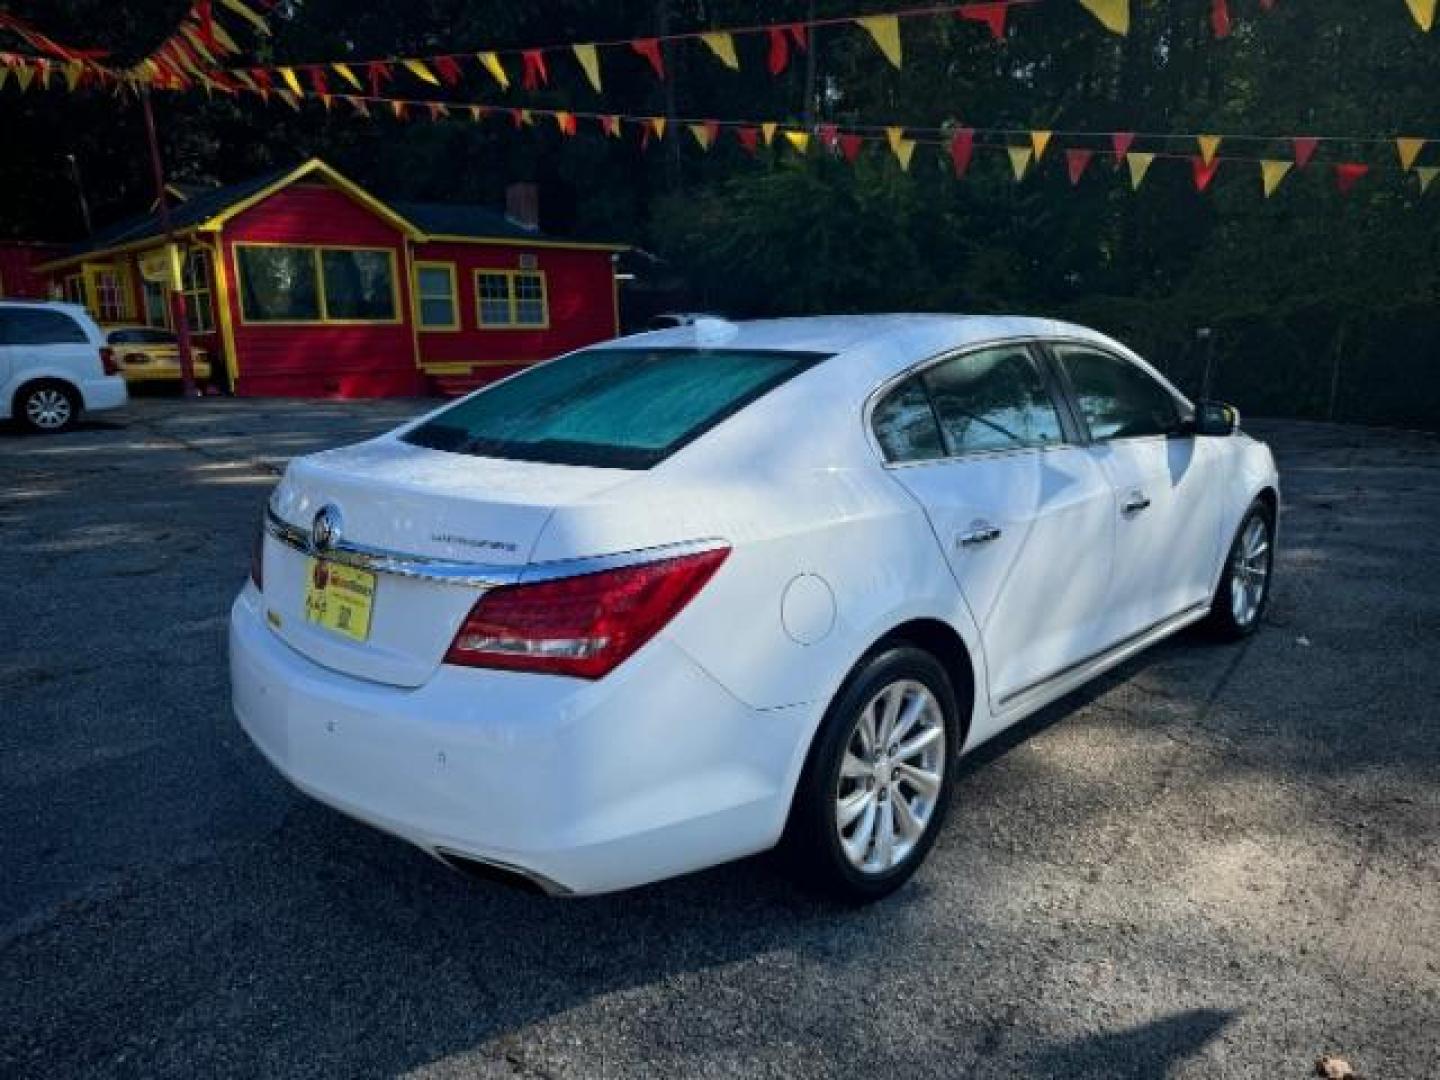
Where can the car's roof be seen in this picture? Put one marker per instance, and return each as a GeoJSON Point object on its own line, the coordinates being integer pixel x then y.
{"type": "Point", "coordinates": [57, 305]}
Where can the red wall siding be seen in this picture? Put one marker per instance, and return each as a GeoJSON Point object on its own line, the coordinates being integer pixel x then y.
{"type": "Point", "coordinates": [317, 361]}
{"type": "Point", "coordinates": [18, 278]}
{"type": "Point", "coordinates": [579, 285]}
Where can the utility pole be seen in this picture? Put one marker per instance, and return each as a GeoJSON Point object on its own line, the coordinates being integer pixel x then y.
{"type": "Point", "coordinates": [80, 193]}
{"type": "Point", "coordinates": [1206, 335]}
{"type": "Point", "coordinates": [178, 313]}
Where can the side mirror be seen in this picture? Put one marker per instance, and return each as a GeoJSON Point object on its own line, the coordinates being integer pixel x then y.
{"type": "Point", "coordinates": [1215, 418]}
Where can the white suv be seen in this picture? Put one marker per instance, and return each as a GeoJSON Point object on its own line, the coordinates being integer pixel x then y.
{"type": "Point", "coordinates": [54, 364]}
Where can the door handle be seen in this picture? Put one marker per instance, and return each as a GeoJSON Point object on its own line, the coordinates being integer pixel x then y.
{"type": "Point", "coordinates": [980, 533]}
{"type": "Point", "coordinates": [1136, 502]}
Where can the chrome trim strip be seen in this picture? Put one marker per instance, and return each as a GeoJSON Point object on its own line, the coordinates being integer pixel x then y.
{"type": "Point", "coordinates": [468, 574]}
{"type": "Point", "coordinates": [1084, 670]}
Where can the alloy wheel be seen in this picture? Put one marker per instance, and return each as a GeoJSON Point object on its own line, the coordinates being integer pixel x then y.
{"type": "Point", "coordinates": [48, 408]}
{"type": "Point", "coordinates": [1250, 571]}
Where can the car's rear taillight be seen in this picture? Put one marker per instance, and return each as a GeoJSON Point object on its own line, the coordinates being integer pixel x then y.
{"type": "Point", "coordinates": [107, 360]}
{"type": "Point", "coordinates": [583, 626]}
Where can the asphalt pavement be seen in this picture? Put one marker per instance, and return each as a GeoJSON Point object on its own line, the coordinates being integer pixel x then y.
{"type": "Point", "coordinates": [1217, 861]}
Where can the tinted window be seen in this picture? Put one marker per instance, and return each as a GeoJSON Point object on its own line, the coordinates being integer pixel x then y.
{"type": "Point", "coordinates": [624, 408]}
{"type": "Point", "coordinates": [141, 337]}
{"type": "Point", "coordinates": [905, 425]}
{"type": "Point", "coordinates": [358, 284]}
{"type": "Point", "coordinates": [1117, 399]}
{"type": "Point", "coordinates": [994, 399]}
{"type": "Point", "coordinates": [36, 326]}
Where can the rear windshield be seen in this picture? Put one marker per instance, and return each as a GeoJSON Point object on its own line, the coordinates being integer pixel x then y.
{"type": "Point", "coordinates": [617, 408]}
{"type": "Point", "coordinates": [141, 337]}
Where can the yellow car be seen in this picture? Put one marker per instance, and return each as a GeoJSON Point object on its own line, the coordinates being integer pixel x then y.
{"type": "Point", "coordinates": [145, 353]}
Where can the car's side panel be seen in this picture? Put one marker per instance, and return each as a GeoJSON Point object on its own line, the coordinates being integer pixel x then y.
{"type": "Point", "coordinates": [1245, 467]}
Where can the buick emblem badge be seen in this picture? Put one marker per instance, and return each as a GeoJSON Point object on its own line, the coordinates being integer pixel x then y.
{"type": "Point", "coordinates": [325, 532]}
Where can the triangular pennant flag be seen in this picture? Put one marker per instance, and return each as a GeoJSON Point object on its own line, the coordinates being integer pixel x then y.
{"type": "Point", "coordinates": [378, 72]}
{"type": "Point", "coordinates": [477, 113]}
{"type": "Point", "coordinates": [799, 35]}
{"type": "Point", "coordinates": [962, 148]}
{"type": "Point", "coordinates": [767, 131]}
{"type": "Point", "coordinates": [1204, 171]}
{"type": "Point", "coordinates": [992, 15]}
{"type": "Point", "coordinates": [565, 122]}
{"type": "Point", "coordinates": [1114, 15]}
{"type": "Point", "coordinates": [1409, 151]}
{"type": "Point", "coordinates": [449, 70]}
{"type": "Point", "coordinates": [536, 73]}
{"type": "Point", "coordinates": [348, 74]}
{"type": "Point", "coordinates": [850, 145]}
{"type": "Point", "coordinates": [1220, 18]}
{"type": "Point", "coordinates": [358, 104]}
{"type": "Point", "coordinates": [589, 59]}
{"type": "Point", "coordinates": [829, 136]}
{"type": "Point", "coordinates": [438, 111]}
{"type": "Point", "coordinates": [1039, 140]}
{"type": "Point", "coordinates": [1272, 172]}
{"type": "Point", "coordinates": [288, 74]}
{"type": "Point", "coordinates": [23, 76]}
{"type": "Point", "coordinates": [749, 138]}
{"type": "Point", "coordinates": [1076, 162]}
{"type": "Point", "coordinates": [1427, 174]}
{"type": "Point", "coordinates": [723, 46]}
{"type": "Point", "coordinates": [657, 125]}
{"type": "Point", "coordinates": [420, 71]}
{"type": "Point", "coordinates": [649, 48]}
{"type": "Point", "coordinates": [800, 140]}
{"type": "Point", "coordinates": [1120, 143]}
{"type": "Point", "coordinates": [73, 70]}
{"type": "Point", "coordinates": [491, 62]}
{"type": "Point", "coordinates": [779, 57]}
{"type": "Point", "coordinates": [1209, 145]}
{"type": "Point", "coordinates": [318, 81]}
{"type": "Point", "coordinates": [1424, 12]}
{"type": "Point", "coordinates": [1139, 166]}
{"type": "Point", "coordinates": [397, 107]}
{"type": "Point", "coordinates": [4, 74]}
{"type": "Point", "coordinates": [1305, 148]}
{"type": "Point", "coordinates": [1348, 175]}
{"type": "Point", "coordinates": [610, 125]}
{"type": "Point", "coordinates": [257, 23]}
{"type": "Point", "coordinates": [885, 29]}
{"type": "Point", "coordinates": [522, 117]}
{"type": "Point", "coordinates": [895, 136]}
{"type": "Point", "coordinates": [704, 134]}
{"type": "Point", "coordinates": [904, 151]}
{"type": "Point", "coordinates": [1020, 160]}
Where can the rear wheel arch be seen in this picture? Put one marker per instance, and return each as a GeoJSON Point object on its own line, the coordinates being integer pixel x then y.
{"type": "Point", "coordinates": [943, 642]}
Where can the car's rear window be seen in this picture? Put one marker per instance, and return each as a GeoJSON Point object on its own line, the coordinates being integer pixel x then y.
{"type": "Point", "coordinates": [39, 326]}
{"type": "Point", "coordinates": [618, 408]}
{"type": "Point", "coordinates": [141, 337]}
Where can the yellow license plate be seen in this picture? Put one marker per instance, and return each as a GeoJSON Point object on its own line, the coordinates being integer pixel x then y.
{"type": "Point", "coordinates": [339, 598]}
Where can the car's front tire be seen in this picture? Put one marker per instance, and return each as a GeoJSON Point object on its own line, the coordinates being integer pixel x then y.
{"type": "Point", "coordinates": [47, 406]}
{"type": "Point", "coordinates": [877, 784]}
{"type": "Point", "coordinates": [1243, 592]}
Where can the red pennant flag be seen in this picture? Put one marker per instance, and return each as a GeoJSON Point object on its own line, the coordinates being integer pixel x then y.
{"type": "Point", "coordinates": [712, 131]}
{"type": "Point", "coordinates": [317, 80]}
{"type": "Point", "coordinates": [206, 16]}
{"type": "Point", "coordinates": [1305, 148]}
{"type": "Point", "coordinates": [565, 122]}
{"type": "Point", "coordinates": [1348, 175]}
{"type": "Point", "coordinates": [779, 50]}
{"type": "Point", "coordinates": [992, 15]}
{"type": "Point", "coordinates": [749, 138]}
{"type": "Point", "coordinates": [536, 74]}
{"type": "Point", "coordinates": [262, 79]}
{"type": "Point", "coordinates": [379, 73]}
{"type": "Point", "coordinates": [850, 146]}
{"type": "Point", "coordinates": [1078, 161]}
{"type": "Point", "coordinates": [610, 125]}
{"type": "Point", "coordinates": [649, 48]}
{"type": "Point", "coordinates": [1120, 143]}
{"type": "Point", "coordinates": [962, 148]}
{"type": "Point", "coordinates": [829, 136]}
{"type": "Point", "coordinates": [1220, 18]}
{"type": "Point", "coordinates": [449, 70]}
{"type": "Point", "coordinates": [1204, 173]}
{"type": "Point", "coordinates": [797, 34]}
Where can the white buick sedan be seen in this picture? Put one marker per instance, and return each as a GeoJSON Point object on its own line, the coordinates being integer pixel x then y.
{"type": "Point", "coordinates": [686, 596]}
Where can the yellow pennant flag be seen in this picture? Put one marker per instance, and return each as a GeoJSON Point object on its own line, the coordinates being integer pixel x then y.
{"type": "Point", "coordinates": [895, 136]}
{"type": "Point", "coordinates": [800, 140]}
{"type": "Point", "coordinates": [1139, 166]}
{"type": "Point", "coordinates": [4, 74]}
{"type": "Point", "coordinates": [223, 39]}
{"type": "Point", "coordinates": [1424, 12]}
{"type": "Point", "coordinates": [72, 74]}
{"type": "Point", "coordinates": [421, 72]}
{"type": "Point", "coordinates": [23, 75]}
{"type": "Point", "coordinates": [491, 63]}
{"type": "Point", "coordinates": [1114, 15]}
{"type": "Point", "coordinates": [526, 120]}
{"type": "Point", "coordinates": [1409, 151]}
{"type": "Point", "coordinates": [1039, 140]}
{"type": "Point", "coordinates": [288, 74]}
{"type": "Point", "coordinates": [343, 70]}
{"type": "Point", "coordinates": [904, 151]}
{"type": "Point", "coordinates": [1427, 174]}
{"type": "Point", "coordinates": [701, 133]}
{"type": "Point", "coordinates": [1272, 172]}
{"type": "Point", "coordinates": [657, 125]}
{"type": "Point", "coordinates": [768, 130]}
{"type": "Point", "coordinates": [723, 46]}
{"type": "Point", "coordinates": [589, 60]}
{"type": "Point", "coordinates": [1020, 160]}
{"type": "Point", "coordinates": [885, 29]}
{"type": "Point", "coordinates": [243, 10]}
{"type": "Point", "coordinates": [290, 99]}
{"type": "Point", "coordinates": [1209, 145]}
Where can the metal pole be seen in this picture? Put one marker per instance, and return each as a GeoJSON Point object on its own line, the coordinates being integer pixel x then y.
{"type": "Point", "coordinates": [1206, 335]}
{"type": "Point", "coordinates": [178, 313]}
{"type": "Point", "coordinates": [80, 192]}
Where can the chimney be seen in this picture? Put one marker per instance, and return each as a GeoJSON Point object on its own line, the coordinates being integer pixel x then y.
{"type": "Point", "coordinates": [522, 205]}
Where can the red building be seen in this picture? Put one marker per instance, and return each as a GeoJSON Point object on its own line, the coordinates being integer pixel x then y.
{"type": "Point", "coordinates": [302, 283]}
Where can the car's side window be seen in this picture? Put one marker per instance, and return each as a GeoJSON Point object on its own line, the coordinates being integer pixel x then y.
{"type": "Point", "coordinates": [1117, 399]}
{"type": "Point", "coordinates": [905, 425]}
{"type": "Point", "coordinates": [36, 326]}
{"type": "Point", "coordinates": [993, 399]}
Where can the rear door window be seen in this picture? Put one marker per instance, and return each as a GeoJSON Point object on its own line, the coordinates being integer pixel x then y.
{"type": "Point", "coordinates": [616, 408]}
{"type": "Point", "coordinates": [37, 326]}
{"type": "Point", "coordinates": [993, 399]}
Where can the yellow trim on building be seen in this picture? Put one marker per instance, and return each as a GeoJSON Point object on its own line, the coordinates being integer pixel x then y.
{"type": "Point", "coordinates": [454, 275]}
{"type": "Point", "coordinates": [324, 319]}
{"type": "Point", "coordinates": [508, 241]}
{"type": "Point", "coordinates": [221, 272]}
{"type": "Point", "coordinates": [511, 275]}
{"type": "Point", "coordinates": [310, 168]}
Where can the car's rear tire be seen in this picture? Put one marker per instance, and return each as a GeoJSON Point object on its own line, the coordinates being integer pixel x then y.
{"type": "Point", "coordinates": [877, 784]}
{"type": "Point", "coordinates": [47, 406]}
{"type": "Point", "coordinates": [1243, 592]}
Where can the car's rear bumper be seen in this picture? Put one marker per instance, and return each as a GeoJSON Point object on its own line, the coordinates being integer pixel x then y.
{"type": "Point", "coordinates": [587, 787]}
{"type": "Point", "coordinates": [161, 370]}
{"type": "Point", "coordinates": [104, 393]}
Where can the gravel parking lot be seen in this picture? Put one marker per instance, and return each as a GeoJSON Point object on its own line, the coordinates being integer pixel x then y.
{"type": "Point", "coordinates": [1217, 861]}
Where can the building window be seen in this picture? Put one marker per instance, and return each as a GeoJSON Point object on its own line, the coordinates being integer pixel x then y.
{"type": "Point", "coordinates": [157, 307]}
{"type": "Point", "coordinates": [282, 284]}
{"type": "Point", "coordinates": [512, 298]}
{"type": "Point", "coordinates": [199, 309]}
{"type": "Point", "coordinates": [112, 298]}
{"type": "Point", "coordinates": [74, 289]}
{"type": "Point", "coordinates": [435, 302]}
